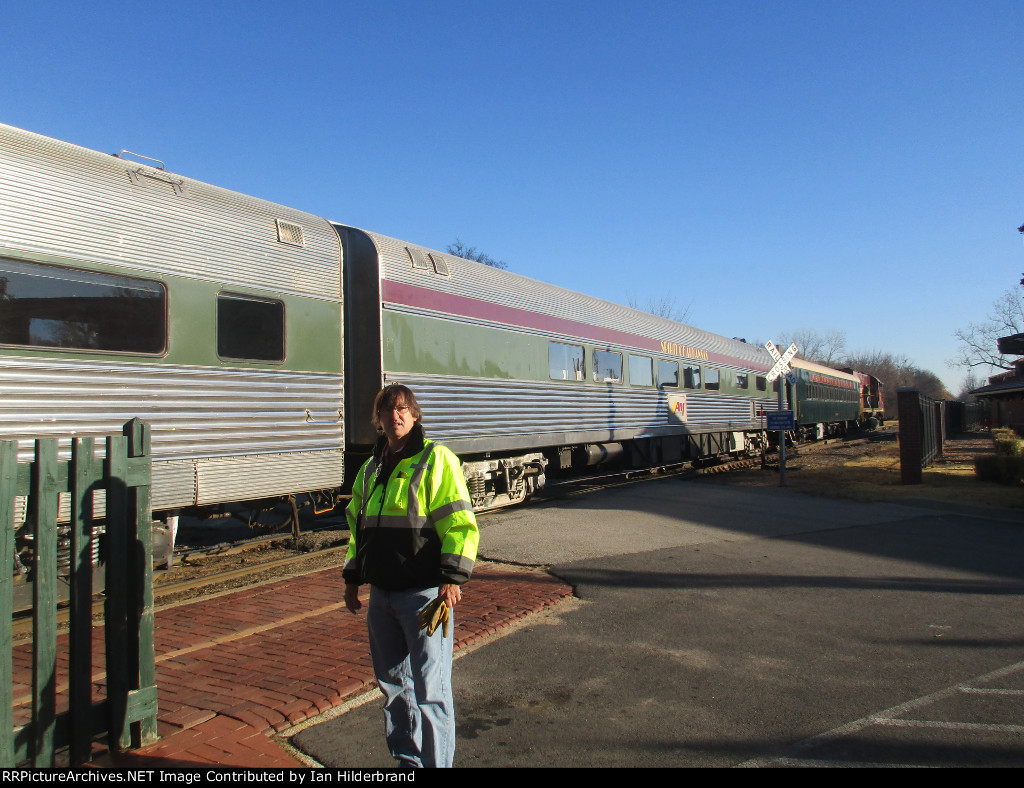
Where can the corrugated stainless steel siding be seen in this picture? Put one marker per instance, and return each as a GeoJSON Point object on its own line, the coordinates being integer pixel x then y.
{"type": "Point", "coordinates": [174, 486]}
{"type": "Point", "coordinates": [194, 411]}
{"type": "Point", "coordinates": [268, 417]}
{"type": "Point", "coordinates": [766, 405]}
{"type": "Point", "coordinates": [236, 478]}
{"type": "Point", "coordinates": [61, 199]}
{"type": "Point", "coordinates": [173, 481]}
{"type": "Point", "coordinates": [212, 480]}
{"type": "Point", "coordinates": [474, 280]}
{"type": "Point", "coordinates": [461, 408]}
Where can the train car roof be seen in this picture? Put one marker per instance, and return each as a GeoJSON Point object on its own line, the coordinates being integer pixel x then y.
{"type": "Point", "coordinates": [85, 206]}
{"type": "Point", "coordinates": [487, 294]}
{"type": "Point", "coordinates": [811, 366]}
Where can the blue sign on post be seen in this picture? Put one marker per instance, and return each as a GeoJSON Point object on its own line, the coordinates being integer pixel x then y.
{"type": "Point", "coordinates": [779, 420]}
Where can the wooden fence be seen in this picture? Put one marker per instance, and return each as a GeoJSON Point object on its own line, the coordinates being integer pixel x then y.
{"type": "Point", "coordinates": [128, 712]}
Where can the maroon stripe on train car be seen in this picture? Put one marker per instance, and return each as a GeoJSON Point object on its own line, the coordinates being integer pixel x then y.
{"type": "Point", "coordinates": [402, 294]}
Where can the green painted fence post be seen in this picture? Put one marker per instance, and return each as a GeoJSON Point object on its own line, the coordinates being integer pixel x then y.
{"type": "Point", "coordinates": [131, 702]}
{"type": "Point", "coordinates": [8, 490]}
{"type": "Point", "coordinates": [84, 477]}
{"type": "Point", "coordinates": [142, 702]}
{"type": "Point", "coordinates": [115, 607]}
{"type": "Point", "coordinates": [44, 505]}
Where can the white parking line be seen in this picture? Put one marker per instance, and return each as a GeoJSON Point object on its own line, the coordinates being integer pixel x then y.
{"type": "Point", "coordinates": [958, 726]}
{"type": "Point", "coordinates": [894, 717]}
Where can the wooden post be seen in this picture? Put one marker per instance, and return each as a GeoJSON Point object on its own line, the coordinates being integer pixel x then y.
{"type": "Point", "coordinates": [115, 606]}
{"type": "Point", "coordinates": [44, 506]}
{"type": "Point", "coordinates": [131, 701]}
{"type": "Point", "coordinates": [142, 700]}
{"type": "Point", "coordinates": [8, 490]}
{"type": "Point", "coordinates": [84, 477]}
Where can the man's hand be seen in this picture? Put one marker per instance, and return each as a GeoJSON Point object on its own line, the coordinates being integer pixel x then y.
{"type": "Point", "coordinates": [352, 598]}
{"type": "Point", "coordinates": [450, 593]}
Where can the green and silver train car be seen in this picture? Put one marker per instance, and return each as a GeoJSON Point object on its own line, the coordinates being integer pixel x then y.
{"type": "Point", "coordinates": [128, 291]}
{"type": "Point", "coordinates": [253, 338]}
{"type": "Point", "coordinates": [523, 379]}
{"type": "Point", "coordinates": [827, 401]}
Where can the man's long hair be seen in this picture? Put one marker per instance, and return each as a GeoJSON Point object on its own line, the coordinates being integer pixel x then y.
{"type": "Point", "coordinates": [388, 397]}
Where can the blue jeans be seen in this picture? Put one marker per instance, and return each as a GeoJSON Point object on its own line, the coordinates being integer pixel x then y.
{"type": "Point", "coordinates": [415, 674]}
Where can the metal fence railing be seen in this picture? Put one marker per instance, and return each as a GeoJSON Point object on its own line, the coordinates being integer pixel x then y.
{"type": "Point", "coordinates": [965, 417]}
{"type": "Point", "coordinates": [921, 433]}
{"type": "Point", "coordinates": [32, 728]}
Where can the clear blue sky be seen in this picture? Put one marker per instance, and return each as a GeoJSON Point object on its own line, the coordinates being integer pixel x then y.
{"type": "Point", "coordinates": [831, 165]}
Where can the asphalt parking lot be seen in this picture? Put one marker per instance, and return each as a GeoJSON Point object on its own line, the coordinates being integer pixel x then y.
{"type": "Point", "coordinates": [722, 627]}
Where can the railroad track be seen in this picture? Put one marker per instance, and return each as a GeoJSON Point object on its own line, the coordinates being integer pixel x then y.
{"type": "Point", "coordinates": [230, 565]}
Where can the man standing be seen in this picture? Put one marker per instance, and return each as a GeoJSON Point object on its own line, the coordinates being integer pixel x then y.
{"type": "Point", "coordinates": [414, 539]}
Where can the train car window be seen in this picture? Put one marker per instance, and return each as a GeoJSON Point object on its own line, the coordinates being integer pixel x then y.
{"type": "Point", "coordinates": [668, 373]}
{"type": "Point", "coordinates": [742, 381]}
{"type": "Point", "coordinates": [641, 371]}
{"type": "Point", "coordinates": [761, 382]}
{"type": "Point", "coordinates": [52, 306]}
{"type": "Point", "coordinates": [691, 376]}
{"type": "Point", "coordinates": [249, 329]}
{"type": "Point", "coordinates": [711, 379]}
{"type": "Point", "coordinates": [565, 362]}
{"type": "Point", "coordinates": [607, 366]}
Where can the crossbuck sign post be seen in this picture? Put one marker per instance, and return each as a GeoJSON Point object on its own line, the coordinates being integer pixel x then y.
{"type": "Point", "coordinates": [783, 417]}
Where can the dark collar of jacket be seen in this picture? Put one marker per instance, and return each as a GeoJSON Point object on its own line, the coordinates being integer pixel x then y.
{"type": "Point", "coordinates": [413, 446]}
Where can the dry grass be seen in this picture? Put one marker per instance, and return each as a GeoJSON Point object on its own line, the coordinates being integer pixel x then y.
{"type": "Point", "coordinates": [869, 470]}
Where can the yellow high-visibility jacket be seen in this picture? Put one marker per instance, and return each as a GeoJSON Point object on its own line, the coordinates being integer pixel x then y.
{"type": "Point", "coordinates": [415, 529]}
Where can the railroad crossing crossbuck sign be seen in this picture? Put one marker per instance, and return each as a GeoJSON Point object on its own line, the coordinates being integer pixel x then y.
{"type": "Point", "coordinates": [784, 417]}
{"type": "Point", "coordinates": [781, 363]}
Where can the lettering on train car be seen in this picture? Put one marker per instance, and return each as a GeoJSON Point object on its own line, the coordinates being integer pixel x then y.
{"type": "Point", "coordinates": [829, 381]}
{"type": "Point", "coordinates": [675, 349]}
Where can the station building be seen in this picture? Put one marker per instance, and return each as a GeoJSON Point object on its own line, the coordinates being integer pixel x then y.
{"type": "Point", "coordinates": [1004, 394]}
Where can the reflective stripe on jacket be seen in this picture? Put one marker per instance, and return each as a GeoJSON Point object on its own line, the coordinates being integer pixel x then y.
{"type": "Point", "coordinates": [415, 529]}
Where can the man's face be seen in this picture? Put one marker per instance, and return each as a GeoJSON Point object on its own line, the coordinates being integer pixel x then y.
{"type": "Point", "coordinates": [396, 421]}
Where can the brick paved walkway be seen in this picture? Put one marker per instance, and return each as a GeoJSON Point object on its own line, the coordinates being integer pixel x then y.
{"type": "Point", "coordinates": [234, 669]}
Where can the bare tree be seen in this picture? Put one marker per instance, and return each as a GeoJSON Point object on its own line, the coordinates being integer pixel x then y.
{"type": "Point", "coordinates": [970, 384]}
{"type": "Point", "coordinates": [459, 249]}
{"type": "Point", "coordinates": [979, 341]}
{"type": "Point", "coordinates": [827, 348]}
{"type": "Point", "coordinates": [896, 372]}
{"type": "Point", "coordinates": [664, 306]}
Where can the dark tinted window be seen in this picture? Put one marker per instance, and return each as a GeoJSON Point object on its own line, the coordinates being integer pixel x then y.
{"type": "Point", "coordinates": [52, 306]}
{"type": "Point", "coordinates": [250, 329]}
{"type": "Point", "coordinates": [607, 366]}
{"type": "Point", "coordinates": [668, 373]}
{"type": "Point", "coordinates": [711, 378]}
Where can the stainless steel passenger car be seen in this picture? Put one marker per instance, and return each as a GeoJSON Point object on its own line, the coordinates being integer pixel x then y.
{"type": "Point", "coordinates": [126, 290]}
{"type": "Point", "coordinates": [522, 378]}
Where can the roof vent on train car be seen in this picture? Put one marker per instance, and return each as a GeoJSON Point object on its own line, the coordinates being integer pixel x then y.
{"type": "Point", "coordinates": [418, 261]}
{"type": "Point", "coordinates": [288, 233]}
{"type": "Point", "coordinates": [440, 264]}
